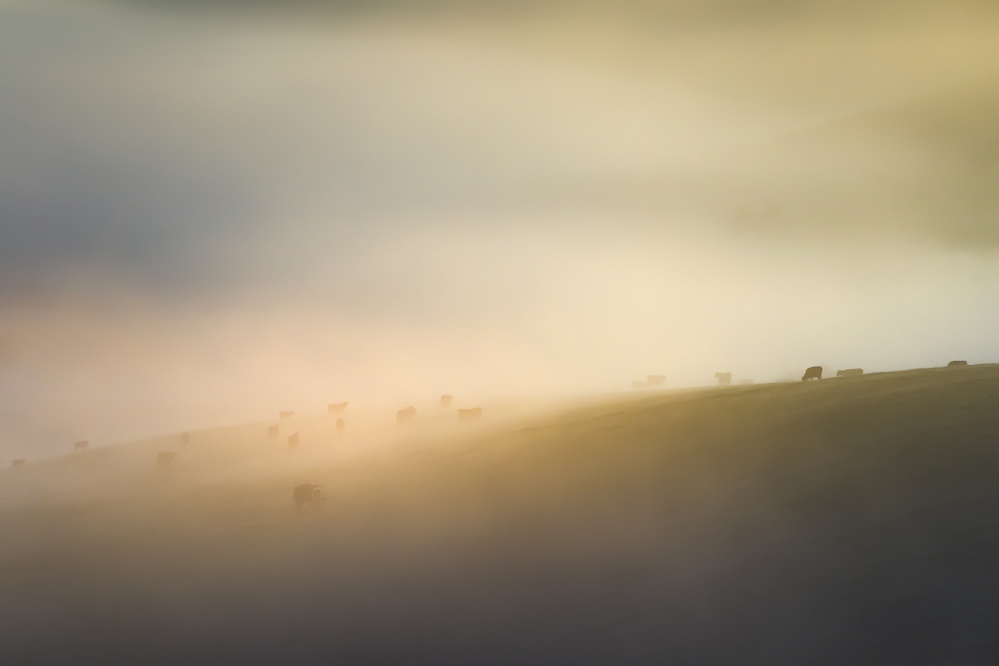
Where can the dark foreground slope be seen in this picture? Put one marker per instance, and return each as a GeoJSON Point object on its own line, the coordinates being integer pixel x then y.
{"type": "Point", "coordinates": [847, 521]}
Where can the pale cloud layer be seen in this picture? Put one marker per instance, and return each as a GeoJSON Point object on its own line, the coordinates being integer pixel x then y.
{"type": "Point", "coordinates": [203, 216]}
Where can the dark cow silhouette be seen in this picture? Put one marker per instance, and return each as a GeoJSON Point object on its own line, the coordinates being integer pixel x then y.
{"type": "Point", "coordinates": [165, 458]}
{"type": "Point", "coordinates": [724, 378]}
{"type": "Point", "coordinates": [656, 380]}
{"type": "Point", "coordinates": [470, 414]}
{"type": "Point", "coordinates": [851, 372]}
{"type": "Point", "coordinates": [446, 401]}
{"type": "Point", "coordinates": [81, 445]}
{"type": "Point", "coordinates": [285, 415]}
{"type": "Point", "coordinates": [18, 462]}
{"type": "Point", "coordinates": [307, 493]}
{"type": "Point", "coordinates": [337, 408]}
{"type": "Point", "coordinates": [340, 425]}
{"type": "Point", "coordinates": [272, 432]}
{"type": "Point", "coordinates": [292, 441]}
{"type": "Point", "coordinates": [185, 439]}
{"type": "Point", "coordinates": [957, 364]}
{"type": "Point", "coordinates": [814, 372]}
{"type": "Point", "coordinates": [405, 415]}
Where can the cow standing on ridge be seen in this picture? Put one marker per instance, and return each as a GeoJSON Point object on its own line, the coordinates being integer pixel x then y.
{"type": "Point", "coordinates": [80, 446]}
{"type": "Point", "coordinates": [814, 372]}
{"type": "Point", "coordinates": [405, 415]}
{"type": "Point", "coordinates": [307, 493]}
{"type": "Point", "coordinates": [724, 378]}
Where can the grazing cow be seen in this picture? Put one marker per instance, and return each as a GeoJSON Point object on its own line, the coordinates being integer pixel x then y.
{"type": "Point", "coordinates": [639, 385]}
{"type": "Point", "coordinates": [957, 364]}
{"type": "Point", "coordinates": [446, 401]}
{"type": "Point", "coordinates": [852, 372]}
{"type": "Point", "coordinates": [185, 439]}
{"type": "Point", "coordinates": [337, 408]}
{"type": "Point", "coordinates": [724, 378]}
{"type": "Point", "coordinates": [18, 462]}
{"type": "Point", "coordinates": [165, 458]}
{"type": "Point", "coordinates": [307, 493]}
{"type": "Point", "coordinates": [272, 432]}
{"type": "Point", "coordinates": [292, 441]}
{"type": "Point", "coordinates": [405, 415]}
{"type": "Point", "coordinates": [814, 372]}
{"type": "Point", "coordinates": [470, 414]}
{"type": "Point", "coordinates": [656, 380]}
{"type": "Point", "coordinates": [340, 425]}
{"type": "Point", "coordinates": [285, 415]}
{"type": "Point", "coordinates": [80, 446]}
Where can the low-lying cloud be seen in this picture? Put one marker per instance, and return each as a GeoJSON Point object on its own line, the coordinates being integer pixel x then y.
{"type": "Point", "coordinates": [226, 212]}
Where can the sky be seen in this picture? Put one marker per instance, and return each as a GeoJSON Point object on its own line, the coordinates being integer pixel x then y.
{"type": "Point", "coordinates": [212, 211]}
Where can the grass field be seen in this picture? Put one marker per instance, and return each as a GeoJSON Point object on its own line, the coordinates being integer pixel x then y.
{"type": "Point", "coordinates": [847, 521]}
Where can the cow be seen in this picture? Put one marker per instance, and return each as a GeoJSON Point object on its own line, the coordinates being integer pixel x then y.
{"type": "Point", "coordinates": [272, 432]}
{"type": "Point", "coordinates": [308, 493]}
{"type": "Point", "coordinates": [446, 401]}
{"type": "Point", "coordinates": [405, 415]}
{"type": "Point", "coordinates": [470, 414]}
{"type": "Point", "coordinates": [656, 380]}
{"type": "Point", "coordinates": [724, 378]}
{"type": "Point", "coordinates": [814, 372]}
{"type": "Point", "coordinates": [337, 408]}
{"type": "Point", "coordinates": [851, 372]}
{"type": "Point", "coordinates": [80, 446]}
{"type": "Point", "coordinates": [957, 364]}
{"type": "Point", "coordinates": [185, 439]}
{"type": "Point", "coordinates": [18, 462]}
{"type": "Point", "coordinates": [292, 441]}
{"type": "Point", "coordinates": [165, 458]}
{"type": "Point", "coordinates": [285, 415]}
{"type": "Point", "coordinates": [340, 425]}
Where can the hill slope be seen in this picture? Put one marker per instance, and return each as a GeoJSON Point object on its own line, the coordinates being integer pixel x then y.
{"type": "Point", "coordinates": [844, 521]}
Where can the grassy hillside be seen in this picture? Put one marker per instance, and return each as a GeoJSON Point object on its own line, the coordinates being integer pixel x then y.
{"type": "Point", "coordinates": [844, 521]}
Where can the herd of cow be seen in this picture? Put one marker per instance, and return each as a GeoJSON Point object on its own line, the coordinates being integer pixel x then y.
{"type": "Point", "coordinates": [815, 372]}
{"type": "Point", "coordinates": [725, 378]}
{"type": "Point", "coordinates": [403, 416]}
{"type": "Point", "coordinates": [312, 494]}
{"type": "Point", "coordinates": [812, 373]}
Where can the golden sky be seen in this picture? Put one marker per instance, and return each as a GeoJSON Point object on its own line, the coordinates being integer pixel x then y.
{"type": "Point", "coordinates": [209, 215]}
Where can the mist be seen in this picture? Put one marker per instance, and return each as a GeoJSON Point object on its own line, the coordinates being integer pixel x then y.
{"type": "Point", "coordinates": [332, 331]}
{"type": "Point", "coordinates": [208, 216]}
